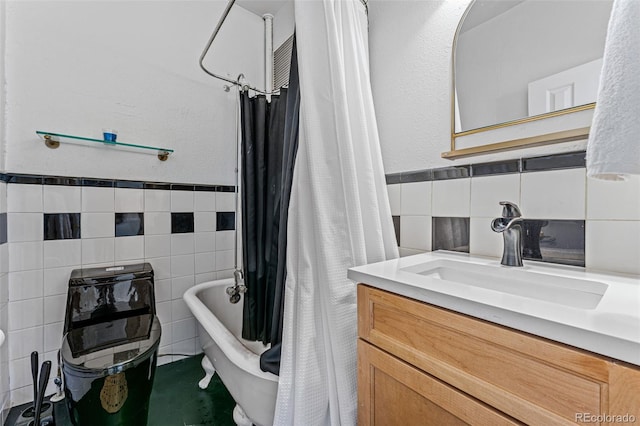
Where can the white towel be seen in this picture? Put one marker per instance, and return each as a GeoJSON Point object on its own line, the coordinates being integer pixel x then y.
{"type": "Point", "coordinates": [613, 150]}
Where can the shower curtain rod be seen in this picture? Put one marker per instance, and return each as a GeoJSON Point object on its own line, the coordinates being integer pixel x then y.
{"type": "Point", "coordinates": [215, 33]}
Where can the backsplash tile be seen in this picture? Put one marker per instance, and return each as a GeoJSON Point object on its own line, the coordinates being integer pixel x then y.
{"type": "Point", "coordinates": [581, 221]}
{"type": "Point", "coordinates": [129, 184]}
{"type": "Point", "coordinates": [24, 227]}
{"type": "Point", "coordinates": [450, 233]}
{"type": "Point", "coordinates": [129, 224]}
{"type": "Point", "coordinates": [98, 199]}
{"type": "Point", "coordinates": [225, 221]}
{"type": "Point", "coordinates": [129, 200]}
{"type": "Point", "coordinates": [553, 162]}
{"type": "Point", "coordinates": [57, 224]}
{"type": "Point", "coordinates": [182, 222]}
{"type": "Point", "coordinates": [97, 225]}
{"type": "Point", "coordinates": [455, 172]}
{"type": "Point", "coordinates": [396, 227]}
{"type": "Point", "coordinates": [488, 191]}
{"type": "Point", "coordinates": [451, 198]}
{"type": "Point", "coordinates": [61, 199]}
{"type": "Point", "coordinates": [495, 168]}
{"type": "Point", "coordinates": [555, 194]}
{"type": "Point", "coordinates": [622, 254]}
{"type": "Point", "coordinates": [58, 253]}
{"type": "Point", "coordinates": [483, 240]}
{"type": "Point", "coordinates": [608, 200]}
{"type": "Point", "coordinates": [3, 228]}
{"type": "Point", "coordinates": [24, 198]}
{"type": "Point", "coordinates": [415, 232]}
{"type": "Point", "coordinates": [181, 200]}
{"type": "Point", "coordinates": [157, 223]}
{"type": "Point", "coordinates": [556, 241]}
{"type": "Point", "coordinates": [415, 198]}
{"type": "Point", "coordinates": [61, 226]}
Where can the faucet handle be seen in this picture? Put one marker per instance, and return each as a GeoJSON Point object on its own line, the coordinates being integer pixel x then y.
{"type": "Point", "coordinates": [510, 209]}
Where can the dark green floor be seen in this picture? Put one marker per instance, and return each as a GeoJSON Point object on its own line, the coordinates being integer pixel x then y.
{"type": "Point", "coordinates": [176, 399]}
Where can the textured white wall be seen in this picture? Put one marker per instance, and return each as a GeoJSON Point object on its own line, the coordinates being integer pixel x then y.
{"type": "Point", "coordinates": [3, 95]}
{"type": "Point", "coordinates": [410, 56]}
{"type": "Point", "coordinates": [77, 67]}
{"type": "Point", "coordinates": [283, 24]}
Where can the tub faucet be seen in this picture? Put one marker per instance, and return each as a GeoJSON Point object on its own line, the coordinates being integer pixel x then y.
{"type": "Point", "coordinates": [510, 225]}
{"type": "Point", "coordinates": [236, 290]}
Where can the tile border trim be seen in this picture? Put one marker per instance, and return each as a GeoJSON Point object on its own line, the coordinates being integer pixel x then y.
{"type": "Point", "coordinates": [108, 183]}
{"type": "Point", "coordinates": [566, 160]}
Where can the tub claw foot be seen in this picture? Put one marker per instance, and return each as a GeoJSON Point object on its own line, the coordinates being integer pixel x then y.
{"type": "Point", "coordinates": [209, 371]}
{"type": "Point", "coordinates": [240, 417]}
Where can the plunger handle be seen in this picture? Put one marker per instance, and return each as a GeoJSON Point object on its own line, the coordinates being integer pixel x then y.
{"type": "Point", "coordinates": [42, 388]}
{"type": "Point", "coordinates": [34, 373]}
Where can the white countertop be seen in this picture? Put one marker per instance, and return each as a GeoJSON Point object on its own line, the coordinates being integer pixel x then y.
{"type": "Point", "coordinates": [612, 328]}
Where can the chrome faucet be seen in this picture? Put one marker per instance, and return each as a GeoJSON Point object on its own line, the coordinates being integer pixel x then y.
{"type": "Point", "coordinates": [510, 225]}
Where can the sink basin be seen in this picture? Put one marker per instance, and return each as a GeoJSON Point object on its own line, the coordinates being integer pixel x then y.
{"type": "Point", "coordinates": [572, 292]}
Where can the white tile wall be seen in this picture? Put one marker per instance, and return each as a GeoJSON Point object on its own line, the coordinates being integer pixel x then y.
{"type": "Point", "coordinates": [205, 201]}
{"type": "Point", "coordinates": [558, 194]}
{"type": "Point", "coordinates": [607, 200]}
{"type": "Point", "coordinates": [482, 240]}
{"type": "Point", "coordinates": [488, 191]}
{"type": "Point", "coordinates": [35, 289]}
{"type": "Point", "coordinates": [225, 201]}
{"type": "Point", "coordinates": [182, 201]}
{"type": "Point", "coordinates": [98, 225]}
{"type": "Point", "coordinates": [59, 253]}
{"type": "Point", "coordinates": [415, 232]}
{"type": "Point", "coordinates": [24, 198]}
{"type": "Point", "coordinates": [182, 244]}
{"type": "Point", "coordinates": [62, 199]}
{"type": "Point", "coordinates": [25, 256]}
{"type": "Point", "coordinates": [206, 241]}
{"type": "Point", "coordinates": [129, 248]}
{"type": "Point", "coordinates": [98, 250]}
{"type": "Point", "coordinates": [204, 222]}
{"type": "Point", "coordinates": [25, 285]}
{"type": "Point", "coordinates": [97, 199]}
{"type": "Point", "coordinates": [129, 200]}
{"type": "Point", "coordinates": [613, 245]}
{"type": "Point", "coordinates": [156, 200]}
{"type": "Point", "coordinates": [157, 222]}
{"type": "Point", "coordinates": [415, 199]}
{"type": "Point", "coordinates": [157, 246]}
{"type": "Point", "coordinates": [451, 198]}
{"type": "Point", "coordinates": [24, 227]}
{"type": "Point", "coordinates": [225, 240]}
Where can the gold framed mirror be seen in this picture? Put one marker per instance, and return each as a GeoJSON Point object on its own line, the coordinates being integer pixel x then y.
{"type": "Point", "coordinates": [525, 73]}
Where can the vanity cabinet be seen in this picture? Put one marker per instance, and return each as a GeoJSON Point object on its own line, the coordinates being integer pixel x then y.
{"type": "Point", "coordinates": [423, 365]}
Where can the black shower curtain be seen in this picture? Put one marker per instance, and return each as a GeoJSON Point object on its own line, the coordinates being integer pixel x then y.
{"type": "Point", "coordinates": [269, 146]}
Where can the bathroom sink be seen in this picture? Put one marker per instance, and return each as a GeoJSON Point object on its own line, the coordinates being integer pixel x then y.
{"type": "Point", "coordinates": [525, 282]}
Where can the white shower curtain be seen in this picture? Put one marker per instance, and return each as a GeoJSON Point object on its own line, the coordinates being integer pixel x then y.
{"type": "Point", "coordinates": [339, 215]}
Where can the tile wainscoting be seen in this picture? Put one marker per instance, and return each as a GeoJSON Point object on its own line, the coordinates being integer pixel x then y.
{"type": "Point", "coordinates": [582, 221]}
{"type": "Point", "coordinates": [52, 225]}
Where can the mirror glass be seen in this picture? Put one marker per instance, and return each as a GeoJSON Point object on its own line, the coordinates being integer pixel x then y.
{"type": "Point", "coordinates": [515, 59]}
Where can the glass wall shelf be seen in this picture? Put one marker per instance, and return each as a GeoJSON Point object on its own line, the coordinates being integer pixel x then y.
{"type": "Point", "coordinates": [52, 140]}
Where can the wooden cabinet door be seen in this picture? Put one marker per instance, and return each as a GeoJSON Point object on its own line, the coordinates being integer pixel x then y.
{"type": "Point", "coordinates": [392, 392]}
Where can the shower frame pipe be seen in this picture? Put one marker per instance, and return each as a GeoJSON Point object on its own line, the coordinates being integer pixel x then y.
{"type": "Point", "coordinates": [238, 83]}
{"type": "Point", "coordinates": [243, 86]}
